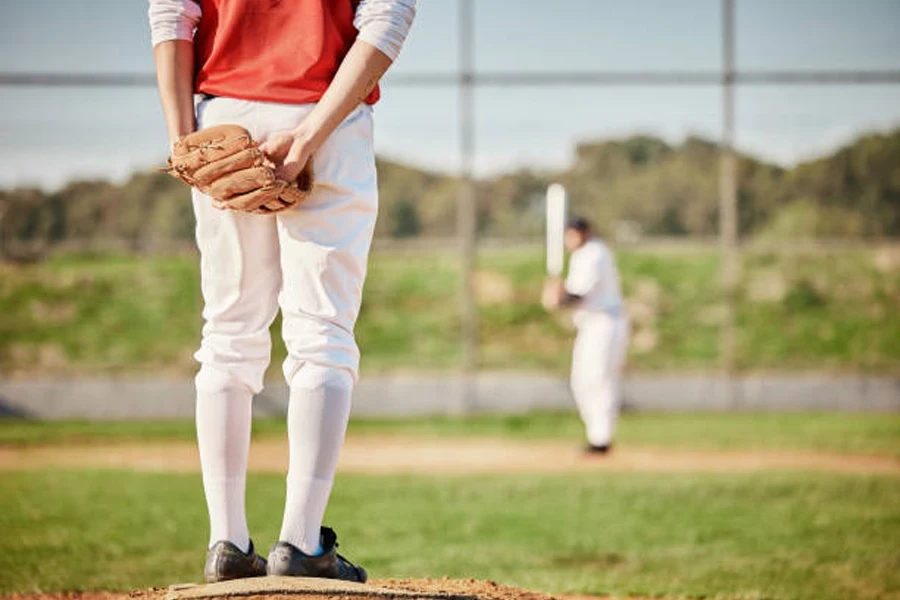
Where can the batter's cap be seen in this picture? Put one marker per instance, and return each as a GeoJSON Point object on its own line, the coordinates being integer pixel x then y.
{"type": "Point", "coordinates": [579, 224]}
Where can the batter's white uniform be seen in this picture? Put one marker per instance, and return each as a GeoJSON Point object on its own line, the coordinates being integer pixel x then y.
{"type": "Point", "coordinates": [602, 339]}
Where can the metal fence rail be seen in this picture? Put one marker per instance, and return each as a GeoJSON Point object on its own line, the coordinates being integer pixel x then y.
{"type": "Point", "coordinates": [515, 79]}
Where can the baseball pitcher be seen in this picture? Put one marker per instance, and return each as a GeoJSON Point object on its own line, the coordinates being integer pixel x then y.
{"type": "Point", "coordinates": [592, 288]}
{"type": "Point", "coordinates": [279, 152]}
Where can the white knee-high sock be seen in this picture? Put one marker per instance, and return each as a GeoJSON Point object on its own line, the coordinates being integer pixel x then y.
{"type": "Point", "coordinates": [317, 421]}
{"type": "Point", "coordinates": [223, 436]}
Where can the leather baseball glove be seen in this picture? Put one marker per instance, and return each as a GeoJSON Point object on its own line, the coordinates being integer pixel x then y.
{"type": "Point", "coordinates": [226, 164]}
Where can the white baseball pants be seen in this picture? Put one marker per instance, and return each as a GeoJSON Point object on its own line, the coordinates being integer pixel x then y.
{"type": "Point", "coordinates": [597, 361]}
{"type": "Point", "coordinates": [309, 261]}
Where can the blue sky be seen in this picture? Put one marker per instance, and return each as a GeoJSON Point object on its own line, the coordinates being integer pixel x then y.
{"type": "Point", "coordinates": [110, 132]}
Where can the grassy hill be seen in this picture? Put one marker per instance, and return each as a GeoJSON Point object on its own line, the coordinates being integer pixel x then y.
{"type": "Point", "coordinates": [823, 311]}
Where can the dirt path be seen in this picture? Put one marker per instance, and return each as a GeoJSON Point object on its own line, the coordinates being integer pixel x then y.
{"type": "Point", "coordinates": [393, 454]}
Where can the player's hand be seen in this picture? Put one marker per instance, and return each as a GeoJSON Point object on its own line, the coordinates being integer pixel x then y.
{"type": "Point", "coordinates": [553, 292]}
{"type": "Point", "coordinates": [289, 152]}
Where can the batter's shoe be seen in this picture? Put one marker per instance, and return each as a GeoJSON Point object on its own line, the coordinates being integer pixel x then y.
{"type": "Point", "coordinates": [286, 559]}
{"type": "Point", "coordinates": [592, 450]}
{"type": "Point", "coordinates": [225, 561]}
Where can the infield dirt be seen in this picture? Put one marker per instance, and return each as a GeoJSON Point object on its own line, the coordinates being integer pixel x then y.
{"type": "Point", "coordinates": [407, 454]}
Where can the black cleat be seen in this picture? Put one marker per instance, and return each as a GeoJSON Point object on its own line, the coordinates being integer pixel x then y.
{"type": "Point", "coordinates": [286, 559]}
{"type": "Point", "coordinates": [592, 450]}
{"type": "Point", "coordinates": [225, 561]}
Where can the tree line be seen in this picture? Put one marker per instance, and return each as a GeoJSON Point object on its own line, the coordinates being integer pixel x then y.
{"type": "Point", "coordinates": [651, 186]}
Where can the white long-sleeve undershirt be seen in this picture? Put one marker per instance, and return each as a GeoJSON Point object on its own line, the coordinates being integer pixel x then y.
{"type": "Point", "coordinates": [381, 23]}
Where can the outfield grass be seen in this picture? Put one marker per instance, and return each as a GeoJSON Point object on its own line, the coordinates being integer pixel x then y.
{"type": "Point", "coordinates": [826, 312]}
{"type": "Point", "coordinates": [843, 433]}
{"type": "Point", "coordinates": [776, 536]}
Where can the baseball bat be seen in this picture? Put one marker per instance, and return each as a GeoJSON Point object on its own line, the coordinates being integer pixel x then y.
{"type": "Point", "coordinates": [556, 228]}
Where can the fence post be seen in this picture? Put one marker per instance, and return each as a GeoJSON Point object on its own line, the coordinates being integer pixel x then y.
{"type": "Point", "coordinates": [466, 209]}
{"type": "Point", "coordinates": [728, 212]}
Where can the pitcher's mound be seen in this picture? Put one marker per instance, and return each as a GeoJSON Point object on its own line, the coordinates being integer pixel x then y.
{"type": "Point", "coordinates": [285, 588]}
{"type": "Point", "coordinates": [483, 590]}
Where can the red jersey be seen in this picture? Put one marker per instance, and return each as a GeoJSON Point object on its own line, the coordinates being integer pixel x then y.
{"type": "Point", "coordinates": [285, 51]}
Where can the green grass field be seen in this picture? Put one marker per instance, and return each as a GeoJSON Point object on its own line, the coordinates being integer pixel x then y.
{"type": "Point", "coordinates": [777, 535]}
{"type": "Point", "coordinates": [725, 536]}
{"type": "Point", "coordinates": [826, 312]}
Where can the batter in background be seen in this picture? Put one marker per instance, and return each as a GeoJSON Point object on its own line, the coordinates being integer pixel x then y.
{"type": "Point", "coordinates": [593, 290]}
{"type": "Point", "coordinates": [301, 76]}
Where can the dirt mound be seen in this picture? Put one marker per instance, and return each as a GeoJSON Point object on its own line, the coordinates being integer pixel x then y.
{"type": "Point", "coordinates": [450, 589]}
{"type": "Point", "coordinates": [76, 596]}
{"type": "Point", "coordinates": [483, 590]}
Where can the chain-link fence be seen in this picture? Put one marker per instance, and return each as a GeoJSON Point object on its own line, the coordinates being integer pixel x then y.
{"type": "Point", "coordinates": [728, 218]}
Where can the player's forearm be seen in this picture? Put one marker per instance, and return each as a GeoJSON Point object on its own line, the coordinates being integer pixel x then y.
{"type": "Point", "coordinates": [175, 77]}
{"type": "Point", "coordinates": [357, 76]}
{"type": "Point", "coordinates": [383, 26]}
